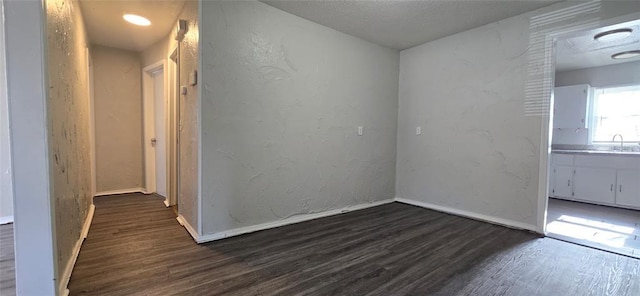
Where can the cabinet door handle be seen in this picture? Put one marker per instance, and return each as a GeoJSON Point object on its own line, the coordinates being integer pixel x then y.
{"type": "Point", "coordinates": [611, 187]}
{"type": "Point", "coordinates": [620, 188]}
{"type": "Point", "coordinates": [568, 182]}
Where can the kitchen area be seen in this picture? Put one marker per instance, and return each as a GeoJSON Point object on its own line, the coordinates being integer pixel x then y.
{"type": "Point", "coordinates": [594, 183]}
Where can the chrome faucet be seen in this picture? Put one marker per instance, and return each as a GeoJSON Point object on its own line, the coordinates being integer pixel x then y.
{"type": "Point", "coordinates": [621, 141]}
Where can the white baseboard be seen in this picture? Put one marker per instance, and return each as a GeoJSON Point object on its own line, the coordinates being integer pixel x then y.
{"type": "Point", "coordinates": [189, 228]}
{"type": "Point", "coordinates": [120, 191]}
{"type": "Point", "coordinates": [66, 276]}
{"type": "Point", "coordinates": [290, 220]}
{"type": "Point", "coordinates": [6, 220]}
{"type": "Point", "coordinates": [472, 215]}
{"type": "Point", "coordinates": [166, 203]}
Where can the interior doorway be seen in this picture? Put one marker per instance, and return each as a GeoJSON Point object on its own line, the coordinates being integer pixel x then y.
{"type": "Point", "coordinates": [594, 169]}
{"type": "Point", "coordinates": [160, 135]}
{"type": "Point", "coordinates": [156, 130]}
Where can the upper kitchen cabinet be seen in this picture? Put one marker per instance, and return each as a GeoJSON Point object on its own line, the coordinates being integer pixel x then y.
{"type": "Point", "coordinates": [571, 104]}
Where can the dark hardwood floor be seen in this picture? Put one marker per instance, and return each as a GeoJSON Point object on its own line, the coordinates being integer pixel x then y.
{"type": "Point", "coordinates": [7, 261]}
{"type": "Point", "coordinates": [136, 247]}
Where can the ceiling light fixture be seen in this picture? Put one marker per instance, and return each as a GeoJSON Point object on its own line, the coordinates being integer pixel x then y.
{"type": "Point", "coordinates": [626, 55]}
{"type": "Point", "coordinates": [136, 20]}
{"type": "Point", "coordinates": [613, 35]}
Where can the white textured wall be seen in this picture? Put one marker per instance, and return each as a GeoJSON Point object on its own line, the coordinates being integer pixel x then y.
{"type": "Point", "coordinates": [188, 172]}
{"type": "Point", "coordinates": [6, 188]}
{"type": "Point", "coordinates": [68, 115]}
{"type": "Point", "coordinates": [478, 152]}
{"type": "Point", "coordinates": [34, 204]}
{"type": "Point", "coordinates": [612, 75]}
{"type": "Point", "coordinates": [117, 85]}
{"type": "Point", "coordinates": [159, 50]}
{"type": "Point", "coordinates": [282, 99]}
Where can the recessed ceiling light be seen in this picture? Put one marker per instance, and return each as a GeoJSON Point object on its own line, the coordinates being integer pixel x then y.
{"type": "Point", "coordinates": [136, 20]}
{"type": "Point", "coordinates": [613, 35]}
{"type": "Point", "coordinates": [626, 55]}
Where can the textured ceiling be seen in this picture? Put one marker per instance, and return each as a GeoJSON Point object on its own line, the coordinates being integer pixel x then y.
{"type": "Point", "coordinates": [105, 26]}
{"type": "Point", "coordinates": [583, 51]}
{"type": "Point", "coordinates": [401, 24]}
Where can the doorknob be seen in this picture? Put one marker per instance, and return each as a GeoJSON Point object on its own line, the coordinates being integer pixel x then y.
{"type": "Point", "coordinates": [153, 141]}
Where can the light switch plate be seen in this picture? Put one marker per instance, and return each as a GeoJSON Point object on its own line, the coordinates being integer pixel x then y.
{"type": "Point", "coordinates": [360, 131]}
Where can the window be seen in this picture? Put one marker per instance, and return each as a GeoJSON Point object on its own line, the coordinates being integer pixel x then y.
{"type": "Point", "coordinates": [616, 110]}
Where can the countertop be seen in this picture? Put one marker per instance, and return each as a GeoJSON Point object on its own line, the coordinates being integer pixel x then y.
{"type": "Point", "coordinates": [596, 152]}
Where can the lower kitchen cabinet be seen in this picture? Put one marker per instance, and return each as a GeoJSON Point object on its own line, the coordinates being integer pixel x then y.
{"type": "Point", "coordinates": [607, 180]}
{"type": "Point", "coordinates": [628, 188]}
{"type": "Point", "coordinates": [595, 185]}
{"type": "Point", "coordinates": [562, 181]}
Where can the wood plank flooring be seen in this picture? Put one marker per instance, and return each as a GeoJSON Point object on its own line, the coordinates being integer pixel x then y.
{"type": "Point", "coordinates": [7, 261]}
{"type": "Point", "coordinates": [136, 247]}
{"type": "Point", "coordinates": [607, 228]}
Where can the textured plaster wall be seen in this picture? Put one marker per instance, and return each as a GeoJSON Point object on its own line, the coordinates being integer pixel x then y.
{"type": "Point", "coordinates": [159, 50]}
{"type": "Point", "coordinates": [478, 152]}
{"type": "Point", "coordinates": [282, 100]}
{"type": "Point", "coordinates": [6, 187]}
{"type": "Point", "coordinates": [612, 75]}
{"type": "Point", "coordinates": [118, 119]}
{"type": "Point", "coordinates": [188, 173]}
{"type": "Point", "coordinates": [68, 114]}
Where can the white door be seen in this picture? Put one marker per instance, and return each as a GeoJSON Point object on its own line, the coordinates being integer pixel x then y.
{"type": "Point", "coordinates": [628, 189]}
{"type": "Point", "coordinates": [562, 179]}
{"type": "Point", "coordinates": [594, 184]}
{"type": "Point", "coordinates": [159, 110]}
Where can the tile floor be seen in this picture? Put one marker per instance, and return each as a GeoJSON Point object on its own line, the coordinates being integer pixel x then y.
{"type": "Point", "coordinates": [607, 228]}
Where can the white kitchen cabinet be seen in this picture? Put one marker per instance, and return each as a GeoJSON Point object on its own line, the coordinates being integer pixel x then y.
{"type": "Point", "coordinates": [570, 107]}
{"type": "Point", "coordinates": [562, 182]}
{"type": "Point", "coordinates": [595, 185]}
{"type": "Point", "coordinates": [628, 188]}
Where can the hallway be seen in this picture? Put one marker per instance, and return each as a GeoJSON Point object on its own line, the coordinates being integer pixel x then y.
{"type": "Point", "coordinates": [136, 247]}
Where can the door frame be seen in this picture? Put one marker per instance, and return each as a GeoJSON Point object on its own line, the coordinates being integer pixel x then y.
{"type": "Point", "coordinates": [148, 111]}
{"type": "Point", "coordinates": [172, 81]}
{"type": "Point", "coordinates": [92, 122]}
{"type": "Point", "coordinates": [548, 38]}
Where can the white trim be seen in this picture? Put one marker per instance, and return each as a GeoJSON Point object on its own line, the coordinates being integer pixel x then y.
{"type": "Point", "coordinates": [166, 202]}
{"type": "Point", "coordinates": [121, 191]}
{"type": "Point", "coordinates": [189, 228]}
{"type": "Point", "coordinates": [287, 221]}
{"type": "Point", "coordinates": [6, 220]}
{"type": "Point", "coordinates": [472, 215]}
{"type": "Point", "coordinates": [148, 113]}
{"type": "Point", "coordinates": [66, 275]}
{"type": "Point", "coordinates": [200, 179]}
{"type": "Point", "coordinates": [172, 139]}
{"type": "Point", "coordinates": [92, 122]}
